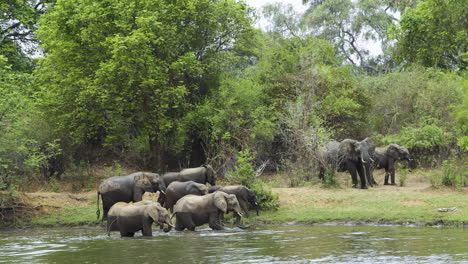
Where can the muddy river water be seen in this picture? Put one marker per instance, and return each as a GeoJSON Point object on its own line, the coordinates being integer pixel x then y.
{"type": "Point", "coordinates": [263, 244]}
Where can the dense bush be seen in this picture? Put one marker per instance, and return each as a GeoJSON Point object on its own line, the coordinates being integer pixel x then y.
{"type": "Point", "coordinates": [244, 174]}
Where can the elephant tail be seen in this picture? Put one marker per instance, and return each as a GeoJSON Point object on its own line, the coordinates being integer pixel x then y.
{"type": "Point", "coordinates": [97, 202]}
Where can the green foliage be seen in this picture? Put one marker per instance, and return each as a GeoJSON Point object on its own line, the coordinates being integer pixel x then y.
{"type": "Point", "coordinates": [424, 136]}
{"type": "Point", "coordinates": [348, 25]}
{"type": "Point", "coordinates": [434, 34]}
{"type": "Point", "coordinates": [453, 174]}
{"type": "Point", "coordinates": [403, 175]}
{"type": "Point", "coordinates": [118, 71]}
{"type": "Point", "coordinates": [330, 180]}
{"type": "Point", "coordinates": [244, 174]}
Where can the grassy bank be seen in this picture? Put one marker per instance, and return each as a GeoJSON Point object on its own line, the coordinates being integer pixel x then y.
{"type": "Point", "coordinates": [384, 204]}
{"type": "Point", "coordinates": [415, 203]}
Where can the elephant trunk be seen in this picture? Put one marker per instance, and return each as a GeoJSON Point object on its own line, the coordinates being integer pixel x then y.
{"type": "Point", "coordinates": [169, 224]}
{"type": "Point", "coordinates": [257, 207]}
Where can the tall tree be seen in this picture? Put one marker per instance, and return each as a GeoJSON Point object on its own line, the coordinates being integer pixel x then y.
{"type": "Point", "coordinates": [434, 34]}
{"type": "Point", "coordinates": [121, 73]}
{"type": "Point", "coordinates": [18, 22]}
{"type": "Point", "coordinates": [355, 26]}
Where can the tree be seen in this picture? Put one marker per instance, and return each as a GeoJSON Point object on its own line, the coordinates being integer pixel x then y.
{"type": "Point", "coordinates": [120, 74]}
{"type": "Point", "coordinates": [354, 26]}
{"type": "Point", "coordinates": [434, 34]}
{"type": "Point", "coordinates": [18, 23]}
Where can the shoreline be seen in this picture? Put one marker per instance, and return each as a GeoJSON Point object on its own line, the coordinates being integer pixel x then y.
{"type": "Point", "coordinates": [415, 205]}
{"type": "Point", "coordinates": [259, 222]}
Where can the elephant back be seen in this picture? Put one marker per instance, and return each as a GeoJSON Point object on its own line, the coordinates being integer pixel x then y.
{"type": "Point", "coordinates": [203, 174]}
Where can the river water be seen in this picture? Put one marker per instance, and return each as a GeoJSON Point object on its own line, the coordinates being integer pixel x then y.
{"type": "Point", "coordinates": [265, 244]}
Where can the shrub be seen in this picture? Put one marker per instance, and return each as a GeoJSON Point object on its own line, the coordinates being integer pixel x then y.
{"type": "Point", "coordinates": [330, 177]}
{"type": "Point", "coordinates": [244, 173]}
{"type": "Point", "coordinates": [454, 174]}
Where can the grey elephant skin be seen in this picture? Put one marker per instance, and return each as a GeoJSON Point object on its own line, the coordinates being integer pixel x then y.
{"type": "Point", "coordinates": [203, 174]}
{"type": "Point", "coordinates": [177, 190]}
{"type": "Point", "coordinates": [243, 194]}
{"type": "Point", "coordinates": [129, 218]}
{"type": "Point", "coordinates": [168, 178]}
{"type": "Point", "coordinates": [352, 156]}
{"type": "Point", "coordinates": [386, 158]}
{"type": "Point", "coordinates": [127, 189]}
{"type": "Point", "coordinates": [192, 210]}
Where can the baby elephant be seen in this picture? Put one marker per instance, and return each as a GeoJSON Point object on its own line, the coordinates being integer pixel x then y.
{"type": "Point", "coordinates": [192, 210]}
{"type": "Point", "coordinates": [177, 190]}
{"type": "Point", "coordinates": [129, 218]}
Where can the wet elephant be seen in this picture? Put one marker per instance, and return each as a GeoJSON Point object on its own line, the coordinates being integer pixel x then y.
{"type": "Point", "coordinates": [127, 189]}
{"type": "Point", "coordinates": [243, 194]}
{"type": "Point", "coordinates": [177, 190]}
{"type": "Point", "coordinates": [192, 210]}
{"type": "Point", "coordinates": [129, 218]}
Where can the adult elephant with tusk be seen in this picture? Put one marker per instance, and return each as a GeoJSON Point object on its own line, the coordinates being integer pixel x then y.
{"type": "Point", "coordinates": [129, 218]}
{"type": "Point", "coordinates": [127, 189]}
{"type": "Point", "coordinates": [352, 156]}
{"type": "Point", "coordinates": [192, 210]}
{"type": "Point", "coordinates": [387, 157]}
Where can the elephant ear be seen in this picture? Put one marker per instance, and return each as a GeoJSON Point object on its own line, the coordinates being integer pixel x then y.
{"type": "Point", "coordinates": [220, 201]}
{"type": "Point", "coordinates": [141, 180]}
{"type": "Point", "coordinates": [210, 174]}
{"type": "Point", "coordinates": [392, 151]}
{"type": "Point", "coordinates": [349, 149]}
{"type": "Point", "coordinates": [153, 212]}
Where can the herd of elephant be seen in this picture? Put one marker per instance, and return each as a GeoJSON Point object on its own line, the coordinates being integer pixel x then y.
{"type": "Point", "coordinates": [184, 193]}
{"type": "Point", "coordinates": [361, 158]}
{"type": "Point", "coordinates": [193, 204]}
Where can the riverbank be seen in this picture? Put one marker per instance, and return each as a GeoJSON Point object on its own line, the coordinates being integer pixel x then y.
{"type": "Point", "coordinates": [413, 205]}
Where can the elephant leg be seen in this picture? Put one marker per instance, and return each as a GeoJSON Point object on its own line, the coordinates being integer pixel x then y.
{"type": "Point", "coordinates": [244, 207]}
{"type": "Point", "coordinates": [392, 177]}
{"type": "Point", "coordinates": [362, 175]}
{"type": "Point", "coordinates": [386, 177]}
{"type": "Point", "coordinates": [127, 234]}
{"type": "Point", "coordinates": [322, 173]}
{"type": "Point", "coordinates": [105, 207]}
{"type": "Point", "coordinates": [368, 175]}
{"type": "Point", "coordinates": [184, 220]}
{"type": "Point", "coordinates": [214, 223]}
{"type": "Point", "coordinates": [147, 230]}
{"type": "Point", "coordinates": [352, 171]}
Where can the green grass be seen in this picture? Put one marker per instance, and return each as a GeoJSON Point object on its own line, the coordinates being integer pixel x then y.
{"type": "Point", "coordinates": [371, 206]}
{"type": "Point", "coordinates": [82, 215]}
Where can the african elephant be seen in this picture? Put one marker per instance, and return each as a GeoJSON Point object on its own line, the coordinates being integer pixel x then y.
{"type": "Point", "coordinates": [386, 157]}
{"type": "Point", "coordinates": [203, 174]}
{"type": "Point", "coordinates": [192, 210]}
{"type": "Point", "coordinates": [242, 193]}
{"type": "Point", "coordinates": [128, 188]}
{"type": "Point", "coordinates": [167, 177]}
{"type": "Point", "coordinates": [352, 156]}
{"type": "Point", "coordinates": [129, 218]}
{"type": "Point", "coordinates": [177, 190]}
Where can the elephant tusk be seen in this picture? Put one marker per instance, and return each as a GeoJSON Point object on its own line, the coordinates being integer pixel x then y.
{"type": "Point", "coordinates": [163, 192]}
{"type": "Point", "coordinates": [371, 160]}
{"type": "Point", "coordinates": [363, 161]}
